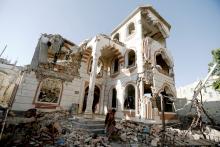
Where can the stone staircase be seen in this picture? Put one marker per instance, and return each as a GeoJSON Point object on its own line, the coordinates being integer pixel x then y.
{"type": "Point", "coordinates": [96, 126]}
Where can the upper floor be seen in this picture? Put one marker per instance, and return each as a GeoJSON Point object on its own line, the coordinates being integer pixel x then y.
{"type": "Point", "coordinates": [143, 22]}
{"type": "Point", "coordinates": [139, 39]}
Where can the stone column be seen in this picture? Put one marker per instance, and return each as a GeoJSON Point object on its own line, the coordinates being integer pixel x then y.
{"type": "Point", "coordinates": [104, 104]}
{"type": "Point", "coordinates": [102, 94]}
{"type": "Point", "coordinates": [141, 89]}
{"type": "Point", "coordinates": [88, 112]}
{"type": "Point", "coordinates": [140, 66]}
{"type": "Point", "coordinates": [140, 55]}
{"type": "Point", "coordinates": [120, 96]}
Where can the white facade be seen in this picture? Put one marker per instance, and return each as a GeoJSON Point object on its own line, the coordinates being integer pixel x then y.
{"type": "Point", "coordinates": [126, 70]}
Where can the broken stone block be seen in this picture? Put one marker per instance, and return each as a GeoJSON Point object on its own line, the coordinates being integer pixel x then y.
{"type": "Point", "coordinates": [57, 126]}
{"type": "Point", "coordinates": [123, 137]}
{"type": "Point", "coordinates": [155, 141]}
{"type": "Point", "coordinates": [88, 140]}
{"type": "Point", "coordinates": [76, 143]}
{"type": "Point", "coordinates": [135, 139]}
{"type": "Point", "coordinates": [96, 141]}
{"type": "Point", "coordinates": [196, 136]}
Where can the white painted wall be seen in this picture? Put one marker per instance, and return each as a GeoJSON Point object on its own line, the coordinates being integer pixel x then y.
{"type": "Point", "coordinates": [211, 99]}
{"type": "Point", "coordinates": [26, 92]}
{"type": "Point", "coordinates": [28, 88]}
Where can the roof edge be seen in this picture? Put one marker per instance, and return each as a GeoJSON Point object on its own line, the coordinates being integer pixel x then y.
{"type": "Point", "coordinates": [136, 11]}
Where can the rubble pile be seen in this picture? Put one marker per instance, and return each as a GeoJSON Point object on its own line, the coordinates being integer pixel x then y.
{"type": "Point", "coordinates": [133, 132]}
{"type": "Point", "coordinates": [209, 133]}
{"type": "Point", "coordinates": [81, 137]}
{"type": "Point", "coordinates": [55, 129]}
{"type": "Point", "coordinates": [151, 135]}
{"type": "Point", "coordinates": [47, 129]}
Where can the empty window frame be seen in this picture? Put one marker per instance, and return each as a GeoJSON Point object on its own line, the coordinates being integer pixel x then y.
{"type": "Point", "coordinates": [131, 28]}
{"type": "Point", "coordinates": [50, 91]}
{"type": "Point", "coordinates": [115, 66]}
{"type": "Point", "coordinates": [114, 98]}
{"type": "Point", "coordinates": [116, 37]}
{"type": "Point", "coordinates": [164, 68]}
{"type": "Point", "coordinates": [129, 102]}
{"type": "Point", "coordinates": [131, 58]}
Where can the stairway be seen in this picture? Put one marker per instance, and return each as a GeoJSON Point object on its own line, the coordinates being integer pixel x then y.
{"type": "Point", "coordinates": [96, 126]}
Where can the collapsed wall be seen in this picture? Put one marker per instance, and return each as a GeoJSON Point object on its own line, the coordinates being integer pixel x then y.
{"type": "Point", "coordinates": [209, 97]}
{"type": "Point", "coordinates": [9, 76]}
{"type": "Point", "coordinates": [52, 79]}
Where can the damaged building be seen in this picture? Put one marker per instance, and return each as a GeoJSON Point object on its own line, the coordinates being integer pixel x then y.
{"type": "Point", "coordinates": [208, 96]}
{"type": "Point", "coordinates": [126, 70]}
{"type": "Point", "coordinates": [9, 81]}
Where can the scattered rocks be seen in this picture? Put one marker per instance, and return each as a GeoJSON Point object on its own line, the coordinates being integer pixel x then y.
{"type": "Point", "coordinates": [55, 129]}
{"type": "Point", "coordinates": [155, 141]}
{"type": "Point", "coordinates": [48, 129]}
{"type": "Point", "coordinates": [88, 140]}
{"type": "Point", "coordinates": [123, 137]}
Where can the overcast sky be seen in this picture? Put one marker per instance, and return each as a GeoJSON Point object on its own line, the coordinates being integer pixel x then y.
{"type": "Point", "coordinates": [194, 33]}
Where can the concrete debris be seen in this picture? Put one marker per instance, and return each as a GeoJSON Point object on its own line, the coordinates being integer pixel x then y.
{"type": "Point", "coordinates": [55, 129]}
{"type": "Point", "coordinates": [47, 129]}
{"type": "Point", "coordinates": [151, 135]}
{"type": "Point", "coordinates": [155, 141]}
{"type": "Point", "coordinates": [123, 137]}
{"type": "Point", "coordinates": [133, 132]}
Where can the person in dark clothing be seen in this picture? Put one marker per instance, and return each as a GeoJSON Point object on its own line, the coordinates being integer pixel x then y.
{"type": "Point", "coordinates": [110, 123]}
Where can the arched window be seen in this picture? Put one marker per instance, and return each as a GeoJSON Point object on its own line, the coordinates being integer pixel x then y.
{"type": "Point", "coordinates": [115, 65]}
{"type": "Point", "coordinates": [99, 70]}
{"type": "Point", "coordinates": [100, 67]}
{"type": "Point", "coordinates": [147, 90]}
{"type": "Point", "coordinates": [129, 102]}
{"type": "Point", "coordinates": [114, 98]}
{"type": "Point", "coordinates": [168, 102]}
{"type": "Point", "coordinates": [95, 103]}
{"type": "Point", "coordinates": [131, 28]}
{"type": "Point", "coordinates": [131, 58]}
{"type": "Point", "coordinates": [116, 37]}
{"type": "Point", "coordinates": [50, 91]}
{"type": "Point", "coordinates": [162, 65]}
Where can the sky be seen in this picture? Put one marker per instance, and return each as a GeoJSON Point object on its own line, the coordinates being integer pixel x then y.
{"type": "Point", "coordinates": [194, 33]}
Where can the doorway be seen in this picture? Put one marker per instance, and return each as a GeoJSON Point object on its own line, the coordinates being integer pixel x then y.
{"type": "Point", "coordinates": [95, 99]}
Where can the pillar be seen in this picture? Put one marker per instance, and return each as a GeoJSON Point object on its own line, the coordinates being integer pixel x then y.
{"type": "Point", "coordinates": [102, 95]}
{"type": "Point", "coordinates": [88, 112]}
{"type": "Point", "coordinates": [141, 89]}
{"type": "Point", "coordinates": [140, 60]}
{"type": "Point", "coordinates": [140, 66]}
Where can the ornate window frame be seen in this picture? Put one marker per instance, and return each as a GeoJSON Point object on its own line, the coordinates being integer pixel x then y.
{"type": "Point", "coordinates": [166, 60]}
{"type": "Point", "coordinates": [125, 94]}
{"type": "Point", "coordinates": [126, 56]}
{"type": "Point", "coordinates": [36, 101]}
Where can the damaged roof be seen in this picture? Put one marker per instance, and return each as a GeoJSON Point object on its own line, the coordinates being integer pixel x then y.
{"type": "Point", "coordinates": [140, 8]}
